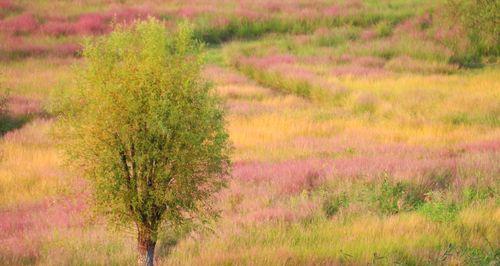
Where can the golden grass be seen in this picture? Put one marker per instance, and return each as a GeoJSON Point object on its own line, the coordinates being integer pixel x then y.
{"type": "Point", "coordinates": [30, 166]}
{"type": "Point", "coordinates": [405, 238]}
{"type": "Point", "coordinates": [35, 78]}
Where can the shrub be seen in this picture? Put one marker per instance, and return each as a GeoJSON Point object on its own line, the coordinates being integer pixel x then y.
{"type": "Point", "coordinates": [3, 104]}
{"type": "Point", "coordinates": [392, 198]}
{"type": "Point", "coordinates": [3, 113]}
{"type": "Point", "coordinates": [332, 204]}
{"type": "Point", "coordinates": [474, 194]}
{"type": "Point", "coordinates": [478, 20]}
{"type": "Point", "coordinates": [439, 211]}
{"type": "Point", "coordinates": [383, 29]}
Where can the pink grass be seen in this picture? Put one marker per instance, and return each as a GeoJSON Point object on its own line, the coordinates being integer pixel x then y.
{"type": "Point", "coordinates": [58, 28]}
{"type": "Point", "coordinates": [266, 62]}
{"type": "Point", "coordinates": [22, 230]}
{"type": "Point", "coordinates": [221, 75]}
{"type": "Point", "coordinates": [334, 10]}
{"type": "Point", "coordinates": [91, 23]}
{"type": "Point", "coordinates": [66, 49]}
{"type": "Point", "coordinates": [20, 106]}
{"type": "Point", "coordinates": [483, 146]}
{"type": "Point", "coordinates": [288, 177]}
{"type": "Point", "coordinates": [21, 24]}
{"type": "Point", "coordinates": [355, 70]}
{"type": "Point", "coordinates": [368, 34]}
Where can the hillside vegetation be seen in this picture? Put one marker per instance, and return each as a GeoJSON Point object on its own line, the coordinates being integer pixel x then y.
{"type": "Point", "coordinates": [363, 132]}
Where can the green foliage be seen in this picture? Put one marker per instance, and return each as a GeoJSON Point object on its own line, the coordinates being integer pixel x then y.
{"type": "Point", "coordinates": [145, 129]}
{"type": "Point", "coordinates": [5, 121]}
{"type": "Point", "coordinates": [474, 194]}
{"type": "Point", "coordinates": [383, 29]}
{"type": "Point", "coordinates": [478, 19]}
{"type": "Point", "coordinates": [3, 104]}
{"type": "Point", "coordinates": [439, 211]}
{"type": "Point", "coordinates": [337, 36]}
{"type": "Point", "coordinates": [491, 119]}
{"type": "Point", "coordinates": [332, 204]}
{"type": "Point", "coordinates": [276, 81]}
{"type": "Point", "coordinates": [392, 198]}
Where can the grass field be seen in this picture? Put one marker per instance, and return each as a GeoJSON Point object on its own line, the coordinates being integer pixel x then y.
{"type": "Point", "coordinates": [357, 139]}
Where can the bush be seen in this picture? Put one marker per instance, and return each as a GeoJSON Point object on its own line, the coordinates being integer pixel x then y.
{"type": "Point", "coordinates": [332, 204]}
{"type": "Point", "coordinates": [393, 198]}
{"type": "Point", "coordinates": [477, 19]}
{"type": "Point", "coordinates": [3, 104]}
{"type": "Point", "coordinates": [474, 194]}
{"type": "Point", "coordinates": [3, 113]}
{"type": "Point", "coordinates": [439, 211]}
{"type": "Point", "coordinates": [390, 197]}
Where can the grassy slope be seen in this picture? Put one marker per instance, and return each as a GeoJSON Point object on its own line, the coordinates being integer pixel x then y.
{"type": "Point", "coordinates": [397, 162]}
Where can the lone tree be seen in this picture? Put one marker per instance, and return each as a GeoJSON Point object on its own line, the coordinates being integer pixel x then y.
{"type": "Point", "coordinates": [146, 130]}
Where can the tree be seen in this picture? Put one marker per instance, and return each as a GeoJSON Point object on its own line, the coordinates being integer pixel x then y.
{"type": "Point", "coordinates": [146, 130]}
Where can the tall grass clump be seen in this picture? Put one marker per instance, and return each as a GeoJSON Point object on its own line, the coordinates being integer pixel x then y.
{"type": "Point", "coordinates": [3, 112]}
{"type": "Point", "coordinates": [478, 21]}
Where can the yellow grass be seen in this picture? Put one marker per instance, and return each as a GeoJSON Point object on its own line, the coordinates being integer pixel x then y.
{"type": "Point", "coordinates": [30, 166]}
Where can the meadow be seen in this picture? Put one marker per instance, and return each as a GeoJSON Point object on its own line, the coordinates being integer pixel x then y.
{"type": "Point", "coordinates": [359, 136]}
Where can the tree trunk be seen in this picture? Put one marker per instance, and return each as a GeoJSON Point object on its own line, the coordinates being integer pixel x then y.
{"type": "Point", "coordinates": [145, 247]}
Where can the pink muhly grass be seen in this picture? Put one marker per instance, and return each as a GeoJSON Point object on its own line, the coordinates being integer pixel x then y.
{"type": "Point", "coordinates": [66, 49]}
{"type": "Point", "coordinates": [266, 62]}
{"type": "Point", "coordinates": [317, 60]}
{"type": "Point", "coordinates": [58, 28]}
{"type": "Point", "coordinates": [368, 34]}
{"type": "Point", "coordinates": [128, 15]}
{"type": "Point", "coordinates": [280, 213]}
{"type": "Point", "coordinates": [483, 146]}
{"type": "Point", "coordinates": [191, 12]}
{"type": "Point", "coordinates": [279, 59]}
{"type": "Point", "coordinates": [273, 6]}
{"type": "Point", "coordinates": [21, 24]}
{"type": "Point", "coordinates": [246, 14]}
{"type": "Point", "coordinates": [16, 47]}
{"type": "Point", "coordinates": [355, 70]}
{"type": "Point", "coordinates": [307, 13]}
{"type": "Point", "coordinates": [224, 76]}
{"type": "Point", "coordinates": [241, 107]}
{"type": "Point", "coordinates": [369, 61]}
{"type": "Point", "coordinates": [294, 72]}
{"type": "Point", "coordinates": [220, 22]}
{"type": "Point", "coordinates": [91, 23]}
{"type": "Point", "coordinates": [271, 214]}
{"type": "Point", "coordinates": [353, 4]}
{"type": "Point", "coordinates": [22, 229]}
{"type": "Point", "coordinates": [415, 26]}
{"type": "Point", "coordinates": [368, 167]}
{"type": "Point", "coordinates": [21, 106]}
{"type": "Point", "coordinates": [334, 11]}
{"type": "Point", "coordinates": [288, 177]}
{"type": "Point", "coordinates": [7, 5]}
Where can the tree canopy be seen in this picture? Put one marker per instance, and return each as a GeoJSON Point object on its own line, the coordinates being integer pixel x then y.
{"type": "Point", "coordinates": [146, 129]}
